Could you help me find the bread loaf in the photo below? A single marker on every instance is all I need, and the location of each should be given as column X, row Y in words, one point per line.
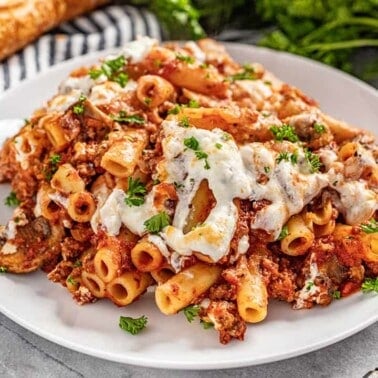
column 22, row 21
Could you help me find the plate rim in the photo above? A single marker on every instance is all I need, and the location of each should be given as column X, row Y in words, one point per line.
column 184, row 365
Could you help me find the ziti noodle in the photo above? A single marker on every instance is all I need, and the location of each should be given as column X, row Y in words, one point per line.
column 176, row 167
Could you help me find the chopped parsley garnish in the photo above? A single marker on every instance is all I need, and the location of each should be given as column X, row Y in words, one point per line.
column 12, row 200
column 371, row 227
column 3, row 269
column 71, row 281
column 174, row 110
column 185, row 58
column 178, row 185
column 313, row 160
column 77, row 264
column 206, row 325
column 319, row 128
column 135, row 192
column 226, row 137
column 310, row 284
column 218, row 146
column 336, row 294
column 55, row 159
column 284, row 232
column 193, row 144
column 157, row 222
column 193, row 104
column 247, row 74
column 123, row 117
column 147, row 100
column 191, row 312
column 112, row 69
column 133, row 325
column 286, row 156
column 184, row 122
column 79, row 107
column 285, row 132
column 266, row 169
column 370, row 285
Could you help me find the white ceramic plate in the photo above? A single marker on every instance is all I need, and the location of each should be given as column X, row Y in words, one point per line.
column 171, row 342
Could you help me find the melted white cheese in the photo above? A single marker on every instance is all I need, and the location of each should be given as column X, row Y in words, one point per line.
column 62, row 102
column 22, row 143
column 257, row 89
column 105, row 93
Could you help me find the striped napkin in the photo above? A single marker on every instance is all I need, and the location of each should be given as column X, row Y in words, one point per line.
column 104, row 28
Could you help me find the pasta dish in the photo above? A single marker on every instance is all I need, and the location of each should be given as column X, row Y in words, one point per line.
column 176, row 168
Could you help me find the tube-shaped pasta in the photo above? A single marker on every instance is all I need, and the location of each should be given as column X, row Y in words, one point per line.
column 321, row 216
column 347, row 150
column 122, row 157
column 81, row 206
column 54, row 131
column 67, row 180
column 165, row 195
column 129, row 286
column 371, row 250
column 299, row 238
column 251, row 293
column 94, row 284
column 184, row 287
column 163, row 274
column 106, row 263
column 146, row 256
column 324, row 229
column 45, row 205
column 153, row 90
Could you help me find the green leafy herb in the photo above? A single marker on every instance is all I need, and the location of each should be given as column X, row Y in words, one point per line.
column 284, row 232
column 286, row 156
column 226, row 137
column 319, row 128
column 12, row 200
column 3, row 269
column 174, row 110
column 313, row 160
column 178, row 185
column 184, row 122
column 191, row 312
column 193, row 144
column 310, row 284
column 266, row 169
column 78, row 264
column 135, row 192
column 206, row 325
column 185, row 58
column 193, row 104
column 123, row 117
column 285, row 132
column 336, row 294
column 248, row 73
column 133, row 325
column 52, row 167
column 218, row 146
column 157, row 222
column 147, row 100
column 371, row 227
column 79, row 107
column 55, row 159
column 370, row 285
column 72, row 281
column 113, row 70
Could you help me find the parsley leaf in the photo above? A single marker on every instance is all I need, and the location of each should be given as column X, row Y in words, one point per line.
column 72, row 281
column 336, row 294
column 219, row 146
column 284, row 232
column 266, row 169
column 313, row 160
column 157, row 222
column 193, row 104
column 184, row 122
column 369, row 285
column 206, row 325
column 112, row 69
column 122, row 117
column 371, row 227
column 310, row 284
column 247, row 74
column 133, row 325
column 55, row 159
column 185, row 58
column 286, row 156
column 191, row 312
column 79, row 107
column 3, row 269
column 319, row 128
column 174, row 110
column 285, row 132
column 135, row 192
column 193, row 144
column 12, row 200
column 147, row 100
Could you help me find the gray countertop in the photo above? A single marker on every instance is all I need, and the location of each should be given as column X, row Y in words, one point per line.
column 24, row 354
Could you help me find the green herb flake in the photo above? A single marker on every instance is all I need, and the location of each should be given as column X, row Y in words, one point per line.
column 55, row 159
column 310, row 284
column 133, row 325
column 193, row 104
column 218, row 146
column 206, row 325
column 174, row 110
column 12, row 200
column 135, row 192
column 147, row 100
column 285, row 132
column 77, row 264
column 123, row 117
column 248, row 73
column 284, row 232
column 226, row 137
column 3, row 269
column 370, row 285
column 266, row 169
column 71, row 281
column 78, row 109
column 371, row 227
column 336, row 294
column 191, row 312
column 313, row 160
column 286, row 156
column 191, row 143
column 185, row 58
column 184, row 122
column 157, row 222
column 113, row 70
column 319, row 128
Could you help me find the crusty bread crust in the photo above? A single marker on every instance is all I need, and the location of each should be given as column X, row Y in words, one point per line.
column 22, row 21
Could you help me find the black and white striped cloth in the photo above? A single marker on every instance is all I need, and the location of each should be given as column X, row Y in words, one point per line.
column 104, row 28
